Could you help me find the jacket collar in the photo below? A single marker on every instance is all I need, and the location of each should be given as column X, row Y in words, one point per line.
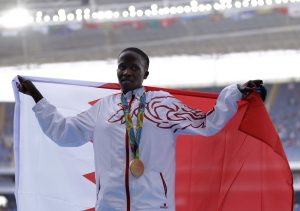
column 136, row 92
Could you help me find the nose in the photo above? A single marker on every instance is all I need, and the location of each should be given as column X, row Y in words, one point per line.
column 127, row 71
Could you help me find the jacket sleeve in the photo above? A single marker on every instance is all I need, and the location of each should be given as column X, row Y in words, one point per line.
column 195, row 122
column 66, row 131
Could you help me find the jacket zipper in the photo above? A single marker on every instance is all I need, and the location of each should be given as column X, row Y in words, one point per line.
column 164, row 184
column 127, row 164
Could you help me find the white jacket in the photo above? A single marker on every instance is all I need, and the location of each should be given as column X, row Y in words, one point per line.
column 165, row 118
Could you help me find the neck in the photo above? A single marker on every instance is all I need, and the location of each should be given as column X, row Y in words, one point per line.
column 129, row 90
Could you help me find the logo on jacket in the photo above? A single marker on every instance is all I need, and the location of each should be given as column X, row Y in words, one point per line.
column 164, row 206
column 166, row 112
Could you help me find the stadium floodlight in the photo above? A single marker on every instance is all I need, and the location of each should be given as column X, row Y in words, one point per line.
column 225, row 4
column 47, row 18
column 55, row 18
column 62, row 17
column 116, row 14
column 87, row 11
column 208, row 7
column 78, row 11
column 3, row 201
column 140, row 13
column 201, row 8
column 87, row 16
column 154, row 7
column 194, row 3
column 154, row 12
column 125, row 14
column 195, row 8
column 217, row 6
column 132, row 14
column 269, row 2
column 187, row 9
column 95, row 15
column 238, row 4
column 173, row 10
column 148, row 12
column 161, row 11
column 261, row 3
column 108, row 14
column 39, row 14
column 179, row 9
column 38, row 19
column 70, row 17
column 278, row 1
column 101, row 15
column 246, row 3
column 131, row 8
column 167, row 10
column 16, row 18
column 254, row 3
column 79, row 17
column 228, row 6
column 222, row 6
column 285, row 1
column 61, row 12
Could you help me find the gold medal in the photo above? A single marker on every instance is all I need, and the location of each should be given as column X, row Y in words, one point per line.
column 136, row 167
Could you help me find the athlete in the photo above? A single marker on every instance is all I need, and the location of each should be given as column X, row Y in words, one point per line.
column 134, row 134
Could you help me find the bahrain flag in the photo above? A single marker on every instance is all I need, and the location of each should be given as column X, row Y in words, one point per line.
column 241, row 168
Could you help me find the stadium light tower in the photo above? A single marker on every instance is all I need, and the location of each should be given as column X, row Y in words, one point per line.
column 16, row 18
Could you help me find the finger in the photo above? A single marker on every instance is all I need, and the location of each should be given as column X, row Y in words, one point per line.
column 24, row 82
column 250, row 84
column 247, row 92
column 21, row 79
column 249, row 89
column 258, row 82
column 245, row 95
column 20, row 87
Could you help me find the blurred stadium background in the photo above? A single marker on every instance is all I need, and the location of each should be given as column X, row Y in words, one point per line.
column 34, row 33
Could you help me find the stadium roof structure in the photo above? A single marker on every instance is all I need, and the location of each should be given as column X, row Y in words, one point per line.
column 69, row 30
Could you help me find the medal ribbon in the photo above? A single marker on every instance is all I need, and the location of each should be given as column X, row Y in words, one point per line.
column 134, row 137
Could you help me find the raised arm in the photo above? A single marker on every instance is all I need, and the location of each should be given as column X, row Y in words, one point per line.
column 195, row 122
column 65, row 131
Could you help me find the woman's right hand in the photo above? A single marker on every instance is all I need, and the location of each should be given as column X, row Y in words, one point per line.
column 28, row 88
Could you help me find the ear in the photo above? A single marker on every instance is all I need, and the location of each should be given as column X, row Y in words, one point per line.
column 146, row 74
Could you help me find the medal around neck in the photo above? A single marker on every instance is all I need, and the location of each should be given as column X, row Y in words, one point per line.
column 136, row 167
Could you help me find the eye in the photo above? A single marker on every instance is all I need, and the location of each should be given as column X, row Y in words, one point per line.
column 135, row 67
column 122, row 66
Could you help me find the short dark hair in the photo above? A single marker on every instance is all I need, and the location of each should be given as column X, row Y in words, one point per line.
column 139, row 52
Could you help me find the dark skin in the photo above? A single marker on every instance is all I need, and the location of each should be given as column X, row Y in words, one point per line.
column 251, row 86
column 131, row 73
column 27, row 87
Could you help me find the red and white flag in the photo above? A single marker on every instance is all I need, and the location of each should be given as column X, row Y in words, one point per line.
column 242, row 168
